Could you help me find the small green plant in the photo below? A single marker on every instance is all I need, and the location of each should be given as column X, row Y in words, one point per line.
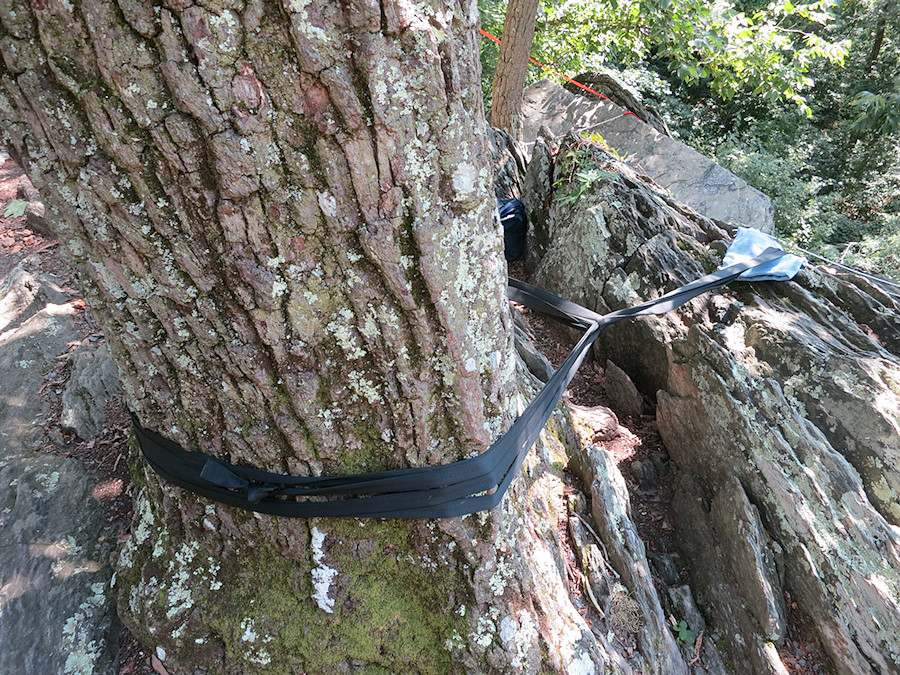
column 597, row 139
column 574, row 182
column 16, row 209
column 683, row 634
column 583, row 181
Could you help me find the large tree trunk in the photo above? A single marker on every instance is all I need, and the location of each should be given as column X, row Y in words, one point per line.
column 512, row 66
column 282, row 217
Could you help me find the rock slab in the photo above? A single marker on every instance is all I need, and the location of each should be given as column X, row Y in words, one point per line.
column 773, row 397
column 57, row 611
column 93, row 382
column 691, row 178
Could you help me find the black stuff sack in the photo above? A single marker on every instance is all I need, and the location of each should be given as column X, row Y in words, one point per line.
column 515, row 223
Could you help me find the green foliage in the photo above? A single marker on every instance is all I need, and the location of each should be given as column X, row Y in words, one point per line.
column 879, row 113
column 15, row 209
column 801, row 99
column 578, row 173
column 768, row 51
column 683, row 634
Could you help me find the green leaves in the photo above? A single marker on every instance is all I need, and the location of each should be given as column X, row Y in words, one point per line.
column 879, row 113
column 15, row 209
column 767, row 51
column 683, row 634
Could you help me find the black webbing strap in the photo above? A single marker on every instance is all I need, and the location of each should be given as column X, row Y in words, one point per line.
column 455, row 489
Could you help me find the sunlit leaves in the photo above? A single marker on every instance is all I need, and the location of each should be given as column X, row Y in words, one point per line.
column 767, row 51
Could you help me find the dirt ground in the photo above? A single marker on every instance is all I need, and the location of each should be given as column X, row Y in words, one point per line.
column 106, row 457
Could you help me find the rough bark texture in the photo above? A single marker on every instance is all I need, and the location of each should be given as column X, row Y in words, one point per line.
column 281, row 214
column 512, row 65
column 780, row 404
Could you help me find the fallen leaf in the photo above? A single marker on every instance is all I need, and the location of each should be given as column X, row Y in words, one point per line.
column 157, row 665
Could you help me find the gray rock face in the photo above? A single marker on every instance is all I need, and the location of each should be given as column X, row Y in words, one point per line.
column 93, row 382
column 607, row 84
column 57, row 612
column 690, row 177
column 54, row 578
column 537, row 193
column 772, row 396
column 752, row 562
column 508, row 159
column 35, row 326
column 610, row 507
column 622, row 393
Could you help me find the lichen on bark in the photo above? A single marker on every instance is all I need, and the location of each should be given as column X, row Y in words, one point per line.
column 281, row 215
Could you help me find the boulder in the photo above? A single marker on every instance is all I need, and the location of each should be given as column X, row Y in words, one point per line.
column 35, row 218
column 92, row 383
column 691, row 178
column 26, row 191
column 606, row 84
column 57, row 611
column 624, row 396
column 781, row 412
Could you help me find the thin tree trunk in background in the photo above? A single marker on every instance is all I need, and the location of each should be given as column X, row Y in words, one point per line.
column 281, row 215
column 512, row 65
column 878, row 40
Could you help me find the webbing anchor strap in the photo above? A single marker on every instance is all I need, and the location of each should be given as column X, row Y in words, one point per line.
column 444, row 491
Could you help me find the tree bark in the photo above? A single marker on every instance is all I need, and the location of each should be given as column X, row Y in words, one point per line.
column 512, row 65
column 878, row 38
column 281, row 215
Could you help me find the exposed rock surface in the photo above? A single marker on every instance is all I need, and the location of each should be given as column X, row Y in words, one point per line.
column 54, row 578
column 690, row 177
column 610, row 509
column 606, row 84
column 773, row 401
column 621, row 391
column 93, row 382
column 35, row 325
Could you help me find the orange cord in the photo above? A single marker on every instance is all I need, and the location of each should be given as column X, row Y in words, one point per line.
column 556, row 72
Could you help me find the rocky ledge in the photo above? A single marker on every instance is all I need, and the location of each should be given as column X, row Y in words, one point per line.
column 778, row 402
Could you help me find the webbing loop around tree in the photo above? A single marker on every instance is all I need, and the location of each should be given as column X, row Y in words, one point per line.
column 444, row 491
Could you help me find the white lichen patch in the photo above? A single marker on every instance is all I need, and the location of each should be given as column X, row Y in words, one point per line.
column 83, row 652
column 502, row 574
column 322, row 575
column 465, row 179
column 145, row 520
column 279, row 288
column 327, row 203
column 363, row 387
column 302, row 24
column 527, row 636
column 250, row 634
column 582, row 664
column 484, row 632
